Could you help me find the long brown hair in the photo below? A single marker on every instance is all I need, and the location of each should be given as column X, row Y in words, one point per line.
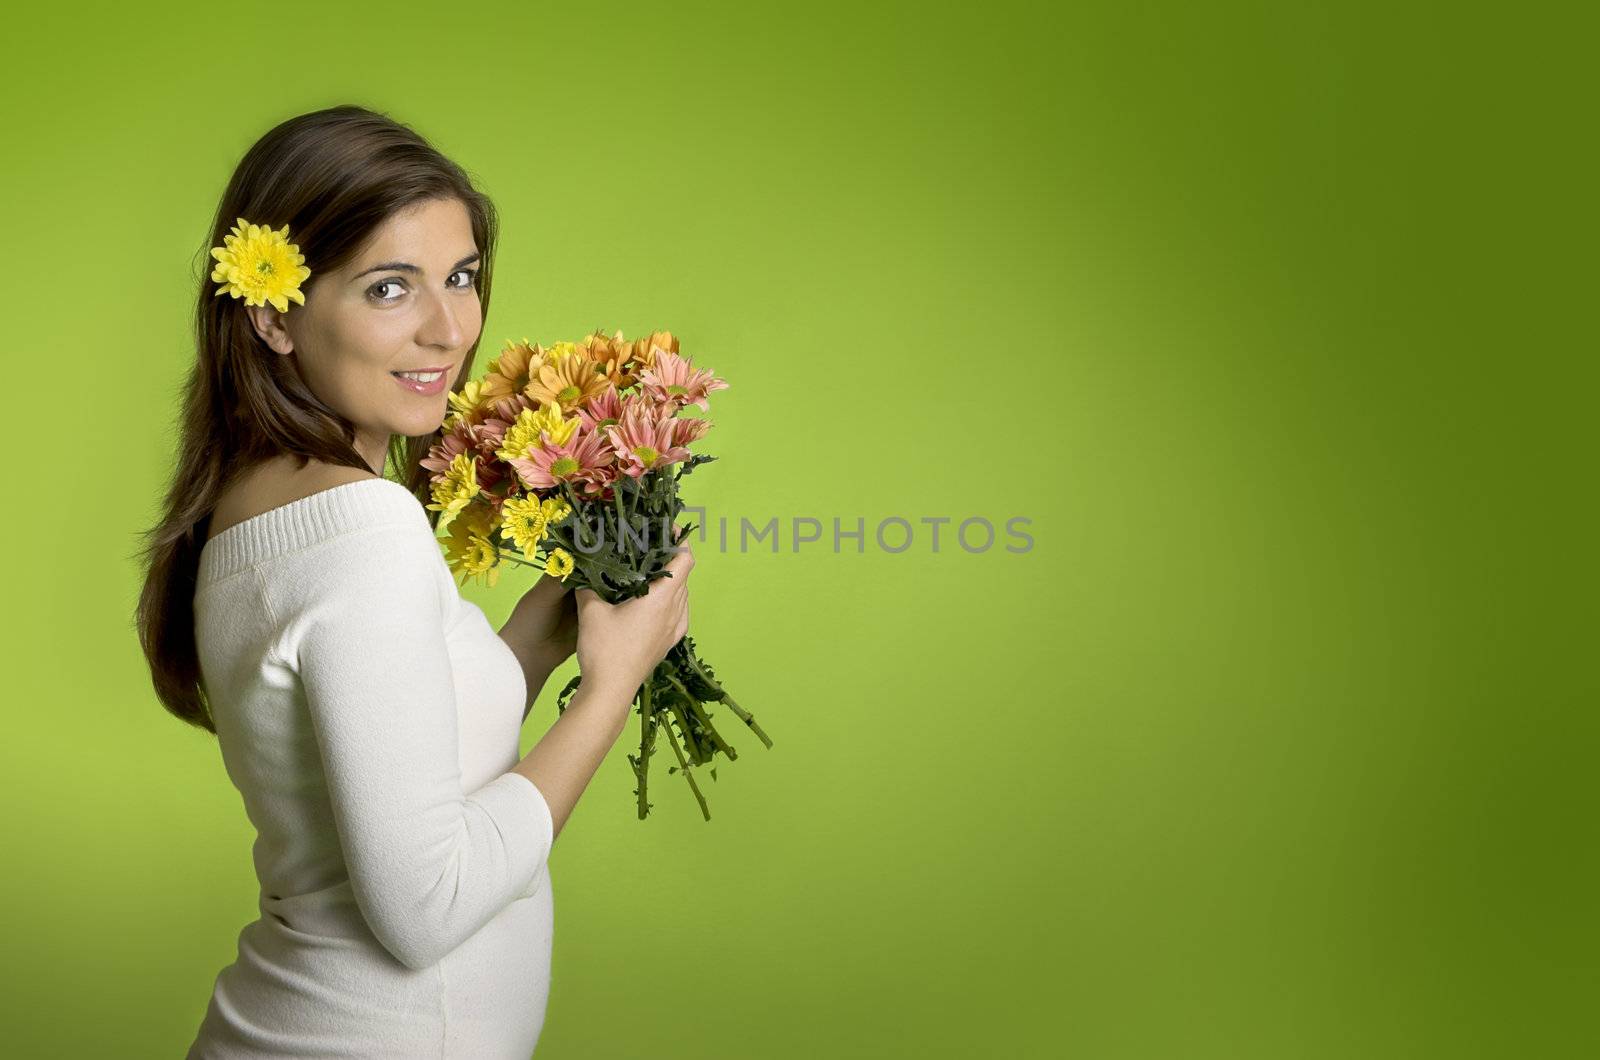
column 332, row 176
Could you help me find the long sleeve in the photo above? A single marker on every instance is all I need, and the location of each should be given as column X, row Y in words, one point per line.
column 429, row 864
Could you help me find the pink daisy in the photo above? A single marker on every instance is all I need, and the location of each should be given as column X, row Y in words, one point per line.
column 601, row 408
column 582, row 460
column 672, row 379
column 442, row 452
column 464, row 438
column 687, row 429
column 598, row 486
column 643, row 441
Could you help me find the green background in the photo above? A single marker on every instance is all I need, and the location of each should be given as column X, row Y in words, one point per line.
column 1278, row 742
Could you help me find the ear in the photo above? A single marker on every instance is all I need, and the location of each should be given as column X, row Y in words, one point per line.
column 268, row 323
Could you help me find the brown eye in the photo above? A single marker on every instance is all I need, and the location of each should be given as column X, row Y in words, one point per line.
column 375, row 288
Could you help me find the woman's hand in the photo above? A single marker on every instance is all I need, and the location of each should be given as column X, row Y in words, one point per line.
column 545, row 622
column 620, row 644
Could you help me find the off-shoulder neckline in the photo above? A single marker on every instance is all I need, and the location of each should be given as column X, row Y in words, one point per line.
column 305, row 521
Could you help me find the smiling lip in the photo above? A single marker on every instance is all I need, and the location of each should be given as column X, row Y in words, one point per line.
column 429, row 389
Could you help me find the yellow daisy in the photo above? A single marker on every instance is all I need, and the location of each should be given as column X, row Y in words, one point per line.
column 467, row 400
column 508, row 373
column 559, row 563
column 555, row 509
column 523, row 435
column 468, row 552
column 522, row 520
column 559, row 350
column 568, row 381
column 260, row 265
column 456, row 489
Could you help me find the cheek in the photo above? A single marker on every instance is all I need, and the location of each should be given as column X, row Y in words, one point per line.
column 471, row 319
column 370, row 340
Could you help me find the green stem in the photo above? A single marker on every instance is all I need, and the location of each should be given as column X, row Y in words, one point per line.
column 688, row 772
column 647, row 734
column 624, row 575
column 623, row 520
column 723, row 697
column 503, row 554
column 507, row 557
column 689, row 741
column 705, row 720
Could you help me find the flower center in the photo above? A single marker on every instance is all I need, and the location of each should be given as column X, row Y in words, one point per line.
column 568, row 395
column 646, row 455
column 675, row 390
column 264, row 267
column 563, row 466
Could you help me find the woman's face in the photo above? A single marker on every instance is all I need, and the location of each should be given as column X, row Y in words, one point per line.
column 405, row 303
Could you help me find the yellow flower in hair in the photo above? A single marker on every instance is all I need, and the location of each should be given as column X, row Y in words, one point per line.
column 260, row 265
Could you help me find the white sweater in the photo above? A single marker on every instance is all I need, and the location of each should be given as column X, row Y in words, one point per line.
column 369, row 715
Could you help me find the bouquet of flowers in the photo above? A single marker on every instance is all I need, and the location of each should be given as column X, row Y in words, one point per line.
column 567, row 459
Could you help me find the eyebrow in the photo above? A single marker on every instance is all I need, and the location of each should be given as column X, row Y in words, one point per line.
column 406, row 266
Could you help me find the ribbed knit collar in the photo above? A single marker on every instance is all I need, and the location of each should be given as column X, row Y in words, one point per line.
column 322, row 515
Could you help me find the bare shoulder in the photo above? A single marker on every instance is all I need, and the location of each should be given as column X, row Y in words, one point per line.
column 273, row 484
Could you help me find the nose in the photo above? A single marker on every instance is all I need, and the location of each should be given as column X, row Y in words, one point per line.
column 442, row 325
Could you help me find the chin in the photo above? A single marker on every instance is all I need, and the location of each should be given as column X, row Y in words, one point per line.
column 416, row 426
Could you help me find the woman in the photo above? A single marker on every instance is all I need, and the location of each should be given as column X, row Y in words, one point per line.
column 297, row 606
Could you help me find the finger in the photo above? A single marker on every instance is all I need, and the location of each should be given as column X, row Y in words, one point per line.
column 665, row 588
column 681, row 542
column 682, row 563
